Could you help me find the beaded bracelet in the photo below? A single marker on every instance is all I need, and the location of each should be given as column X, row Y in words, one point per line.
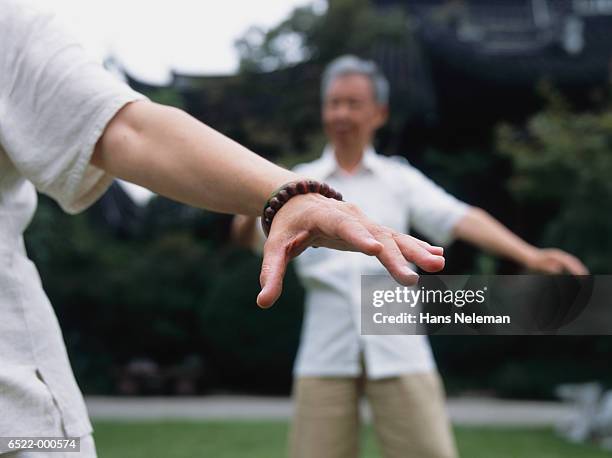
column 282, row 195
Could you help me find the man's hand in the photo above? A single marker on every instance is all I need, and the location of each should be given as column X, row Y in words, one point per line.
column 555, row 261
column 314, row 220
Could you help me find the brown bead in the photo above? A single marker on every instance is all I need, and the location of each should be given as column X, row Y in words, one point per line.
column 302, row 187
column 291, row 189
column 338, row 196
column 283, row 196
column 313, row 186
column 324, row 189
column 275, row 203
column 269, row 213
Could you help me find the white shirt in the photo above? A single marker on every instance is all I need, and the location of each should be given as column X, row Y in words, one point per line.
column 54, row 105
column 394, row 194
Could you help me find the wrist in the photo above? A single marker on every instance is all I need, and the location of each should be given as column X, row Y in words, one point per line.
column 287, row 192
column 529, row 257
column 265, row 192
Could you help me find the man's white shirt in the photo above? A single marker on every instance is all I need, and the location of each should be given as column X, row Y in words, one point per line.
column 394, row 194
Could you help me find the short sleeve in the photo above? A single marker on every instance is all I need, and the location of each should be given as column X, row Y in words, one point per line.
column 433, row 212
column 55, row 102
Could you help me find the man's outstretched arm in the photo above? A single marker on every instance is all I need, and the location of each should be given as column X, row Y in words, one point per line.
column 173, row 154
column 479, row 228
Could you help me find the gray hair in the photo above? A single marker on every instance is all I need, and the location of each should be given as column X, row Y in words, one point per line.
column 350, row 65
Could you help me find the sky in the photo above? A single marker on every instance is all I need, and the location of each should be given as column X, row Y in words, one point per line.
column 151, row 38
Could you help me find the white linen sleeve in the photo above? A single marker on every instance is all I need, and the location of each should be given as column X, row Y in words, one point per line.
column 55, row 102
column 433, row 211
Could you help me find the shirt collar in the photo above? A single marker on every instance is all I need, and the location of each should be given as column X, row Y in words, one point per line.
column 329, row 164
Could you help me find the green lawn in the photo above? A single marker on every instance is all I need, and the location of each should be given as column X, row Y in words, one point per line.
column 266, row 439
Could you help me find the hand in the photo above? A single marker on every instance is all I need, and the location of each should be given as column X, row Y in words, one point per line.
column 555, row 261
column 314, row 220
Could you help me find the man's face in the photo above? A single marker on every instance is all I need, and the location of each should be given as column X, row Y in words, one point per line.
column 351, row 114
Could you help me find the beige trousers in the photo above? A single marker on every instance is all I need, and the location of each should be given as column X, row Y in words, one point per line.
column 409, row 417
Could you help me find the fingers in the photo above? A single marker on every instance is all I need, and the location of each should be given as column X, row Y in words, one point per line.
column 437, row 250
column 555, row 261
column 273, row 269
column 396, row 249
column 426, row 257
column 555, row 267
column 572, row 264
column 577, row 268
column 394, row 261
column 358, row 237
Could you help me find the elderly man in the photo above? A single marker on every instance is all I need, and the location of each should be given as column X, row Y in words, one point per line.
column 334, row 362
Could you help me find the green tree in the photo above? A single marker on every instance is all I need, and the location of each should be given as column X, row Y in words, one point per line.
column 347, row 26
column 562, row 168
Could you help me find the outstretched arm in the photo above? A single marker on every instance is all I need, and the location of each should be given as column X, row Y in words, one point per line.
column 481, row 229
column 173, row 154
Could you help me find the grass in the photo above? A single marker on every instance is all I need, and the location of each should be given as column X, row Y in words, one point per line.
column 267, row 439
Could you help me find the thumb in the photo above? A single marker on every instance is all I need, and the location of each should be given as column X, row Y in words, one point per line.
column 273, row 269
